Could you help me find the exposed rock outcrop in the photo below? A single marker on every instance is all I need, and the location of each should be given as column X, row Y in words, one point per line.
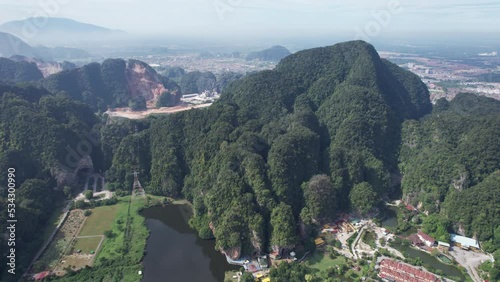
column 144, row 81
column 233, row 253
column 256, row 242
column 67, row 175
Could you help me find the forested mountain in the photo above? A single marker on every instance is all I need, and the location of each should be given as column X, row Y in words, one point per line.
column 114, row 83
column 198, row 82
column 21, row 71
column 36, row 129
column 227, row 78
column 450, row 161
column 282, row 151
column 11, row 45
column 249, row 162
column 273, row 54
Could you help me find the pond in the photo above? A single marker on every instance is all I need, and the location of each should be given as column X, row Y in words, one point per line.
column 390, row 221
column 429, row 260
column 174, row 251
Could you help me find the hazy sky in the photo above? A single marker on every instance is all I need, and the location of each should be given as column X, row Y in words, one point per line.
column 211, row 17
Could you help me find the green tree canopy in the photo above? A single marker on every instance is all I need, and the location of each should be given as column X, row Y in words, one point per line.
column 284, row 229
column 363, row 198
column 321, row 200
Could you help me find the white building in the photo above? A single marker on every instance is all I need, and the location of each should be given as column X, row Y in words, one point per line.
column 464, row 242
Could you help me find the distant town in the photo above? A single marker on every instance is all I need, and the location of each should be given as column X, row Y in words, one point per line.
column 446, row 77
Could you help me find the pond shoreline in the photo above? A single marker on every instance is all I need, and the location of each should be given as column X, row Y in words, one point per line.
column 175, row 250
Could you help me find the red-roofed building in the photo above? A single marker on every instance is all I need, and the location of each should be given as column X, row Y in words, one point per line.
column 400, row 272
column 41, row 275
column 410, row 208
column 415, row 240
column 428, row 240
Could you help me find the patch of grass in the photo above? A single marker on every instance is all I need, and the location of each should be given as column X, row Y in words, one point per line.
column 351, row 240
column 100, row 220
column 87, row 244
column 369, row 238
column 228, row 276
column 322, row 261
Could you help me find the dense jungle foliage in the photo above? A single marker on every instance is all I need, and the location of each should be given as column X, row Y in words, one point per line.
column 12, row 71
column 38, row 131
column 245, row 162
column 450, row 163
column 330, row 129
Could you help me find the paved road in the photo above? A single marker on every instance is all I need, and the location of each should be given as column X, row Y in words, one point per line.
column 355, row 243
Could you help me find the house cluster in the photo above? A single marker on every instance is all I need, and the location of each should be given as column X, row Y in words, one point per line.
column 391, row 270
column 258, row 267
column 426, row 242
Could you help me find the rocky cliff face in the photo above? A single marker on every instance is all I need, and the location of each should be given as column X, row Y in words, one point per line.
column 46, row 68
column 65, row 175
column 256, row 241
column 144, row 81
column 233, row 253
column 112, row 84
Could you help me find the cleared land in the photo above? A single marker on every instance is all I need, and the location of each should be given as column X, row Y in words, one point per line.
column 99, row 221
column 74, row 262
column 60, row 245
column 127, row 113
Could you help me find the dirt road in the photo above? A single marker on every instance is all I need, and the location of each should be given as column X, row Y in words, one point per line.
column 470, row 260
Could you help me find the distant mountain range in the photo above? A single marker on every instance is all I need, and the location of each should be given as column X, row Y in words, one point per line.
column 60, row 53
column 274, row 54
column 11, row 45
column 58, row 30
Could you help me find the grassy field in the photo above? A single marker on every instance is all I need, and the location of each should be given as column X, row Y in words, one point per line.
column 322, row 261
column 86, row 244
column 100, row 220
column 120, row 255
column 137, row 235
